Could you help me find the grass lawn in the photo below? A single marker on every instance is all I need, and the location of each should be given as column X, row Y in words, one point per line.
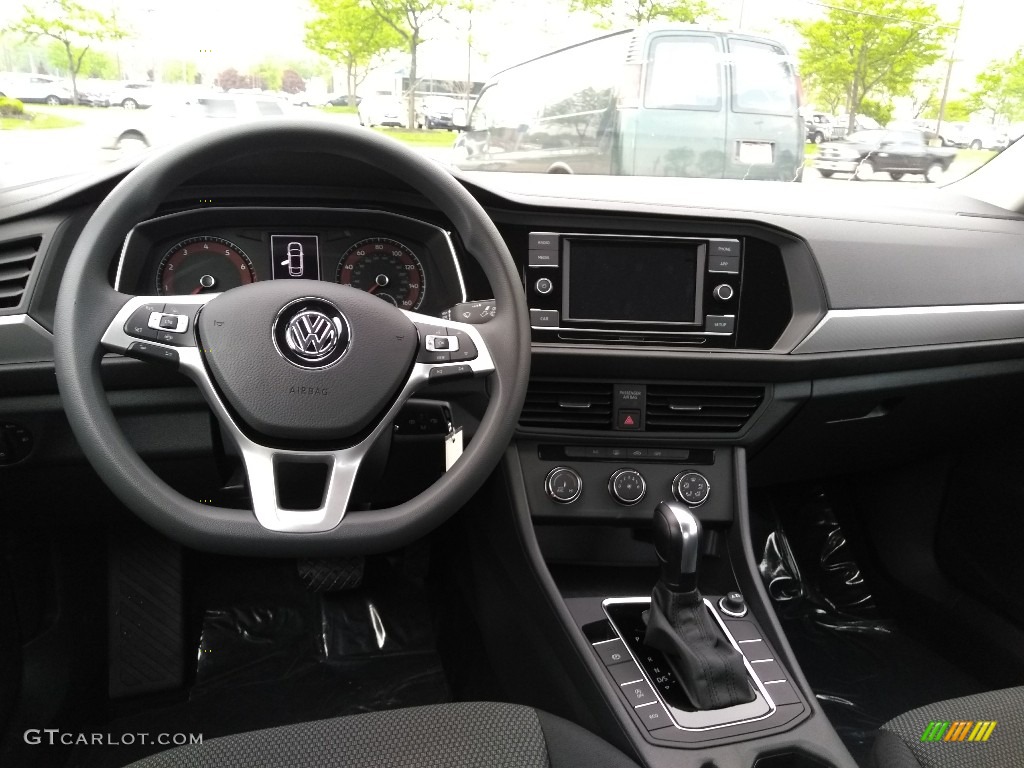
column 438, row 138
column 339, row 110
column 40, row 121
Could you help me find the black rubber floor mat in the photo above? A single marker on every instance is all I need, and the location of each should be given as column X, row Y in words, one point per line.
column 146, row 629
column 294, row 657
column 864, row 667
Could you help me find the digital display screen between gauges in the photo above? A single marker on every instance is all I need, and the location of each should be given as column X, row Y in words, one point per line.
column 295, row 257
column 203, row 265
column 385, row 268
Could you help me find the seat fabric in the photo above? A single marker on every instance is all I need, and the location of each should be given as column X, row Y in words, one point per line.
column 899, row 743
column 461, row 735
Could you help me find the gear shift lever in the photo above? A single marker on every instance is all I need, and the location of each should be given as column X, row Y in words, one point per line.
column 708, row 667
column 677, row 544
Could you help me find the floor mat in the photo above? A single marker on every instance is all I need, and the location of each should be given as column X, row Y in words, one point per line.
column 863, row 667
column 292, row 658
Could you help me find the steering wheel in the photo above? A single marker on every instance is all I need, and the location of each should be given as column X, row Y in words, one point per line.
column 296, row 371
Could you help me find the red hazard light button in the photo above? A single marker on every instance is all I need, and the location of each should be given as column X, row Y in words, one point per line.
column 628, row 419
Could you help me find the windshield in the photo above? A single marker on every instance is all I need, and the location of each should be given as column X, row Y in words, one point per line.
column 721, row 89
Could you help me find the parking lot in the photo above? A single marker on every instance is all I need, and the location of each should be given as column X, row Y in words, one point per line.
column 29, row 155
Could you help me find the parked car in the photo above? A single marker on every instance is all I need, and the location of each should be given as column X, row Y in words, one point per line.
column 340, row 100
column 435, row 112
column 976, row 136
column 820, row 128
column 35, row 89
column 95, row 92
column 383, row 110
column 864, row 153
column 133, row 95
column 171, row 121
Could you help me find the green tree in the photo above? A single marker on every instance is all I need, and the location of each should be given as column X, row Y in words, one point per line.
column 73, row 26
column 614, row 13
column 870, row 49
column 352, row 35
column 957, row 111
column 409, row 18
column 95, row 63
column 1000, row 89
column 179, row 71
column 881, row 111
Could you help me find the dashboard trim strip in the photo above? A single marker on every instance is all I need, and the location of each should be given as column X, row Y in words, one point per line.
column 24, row 340
column 849, row 330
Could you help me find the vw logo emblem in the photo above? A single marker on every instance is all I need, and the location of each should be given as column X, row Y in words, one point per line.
column 311, row 333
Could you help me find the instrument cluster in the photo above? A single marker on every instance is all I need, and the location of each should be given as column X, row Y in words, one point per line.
column 403, row 261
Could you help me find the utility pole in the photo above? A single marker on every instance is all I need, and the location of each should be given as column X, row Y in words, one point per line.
column 949, row 70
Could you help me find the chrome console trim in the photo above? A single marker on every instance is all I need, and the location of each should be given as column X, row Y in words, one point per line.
column 848, row 330
column 760, row 708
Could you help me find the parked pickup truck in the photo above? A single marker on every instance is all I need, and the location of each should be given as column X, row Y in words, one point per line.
column 865, row 153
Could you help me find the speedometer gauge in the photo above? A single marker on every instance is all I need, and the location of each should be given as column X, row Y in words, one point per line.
column 203, row 265
column 385, row 268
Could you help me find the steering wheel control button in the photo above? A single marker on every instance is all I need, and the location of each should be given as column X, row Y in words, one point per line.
column 564, row 486
column 612, row 652
column 442, row 344
column 152, row 353
column 627, row 486
column 691, row 488
column 723, row 292
column 733, row 605
column 450, row 372
column 464, row 348
column 544, row 286
column 627, row 419
column 724, row 256
column 721, row 324
column 141, row 323
column 311, row 333
column 430, row 352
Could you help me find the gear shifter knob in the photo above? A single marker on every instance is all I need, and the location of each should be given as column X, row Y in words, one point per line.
column 677, row 544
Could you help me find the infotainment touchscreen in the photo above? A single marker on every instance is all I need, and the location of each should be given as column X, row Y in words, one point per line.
column 632, row 281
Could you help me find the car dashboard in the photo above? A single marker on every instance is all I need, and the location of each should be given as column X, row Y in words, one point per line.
column 772, row 334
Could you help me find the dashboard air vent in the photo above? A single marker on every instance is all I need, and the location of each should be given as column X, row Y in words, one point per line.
column 707, row 408
column 16, row 259
column 568, row 405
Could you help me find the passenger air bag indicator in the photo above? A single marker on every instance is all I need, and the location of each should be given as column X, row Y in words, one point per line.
column 295, row 257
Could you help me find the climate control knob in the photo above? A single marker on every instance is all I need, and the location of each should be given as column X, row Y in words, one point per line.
column 563, row 485
column 691, row 488
column 627, row 486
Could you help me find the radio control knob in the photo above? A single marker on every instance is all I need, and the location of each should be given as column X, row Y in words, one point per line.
column 723, row 292
column 691, row 488
column 544, row 286
column 563, row 485
column 627, row 486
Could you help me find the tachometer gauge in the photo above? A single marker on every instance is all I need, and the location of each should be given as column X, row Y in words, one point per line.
column 203, row 265
column 385, row 268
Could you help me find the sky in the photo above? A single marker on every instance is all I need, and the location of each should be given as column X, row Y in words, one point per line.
column 224, row 33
